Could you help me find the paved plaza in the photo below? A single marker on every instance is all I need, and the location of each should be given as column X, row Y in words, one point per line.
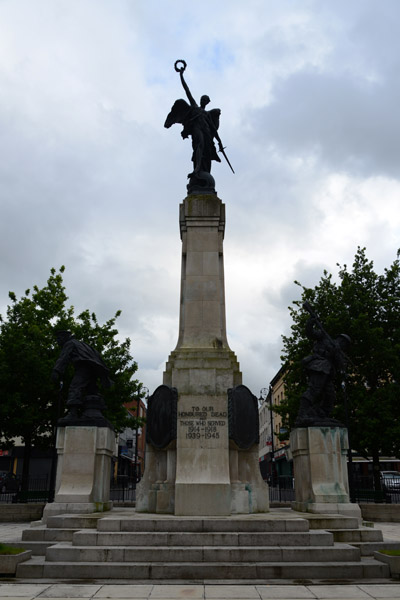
column 28, row 591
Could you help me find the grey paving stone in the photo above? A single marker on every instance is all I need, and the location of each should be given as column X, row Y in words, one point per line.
column 339, row 591
column 69, row 591
column 16, row 590
column 237, row 592
column 124, row 591
column 384, row 590
column 177, row 591
column 284, row 592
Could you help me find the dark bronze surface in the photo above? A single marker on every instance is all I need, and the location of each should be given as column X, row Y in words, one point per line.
column 327, row 359
column 161, row 418
column 243, row 417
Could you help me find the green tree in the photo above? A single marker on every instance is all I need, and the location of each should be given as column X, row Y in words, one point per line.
column 366, row 306
column 29, row 401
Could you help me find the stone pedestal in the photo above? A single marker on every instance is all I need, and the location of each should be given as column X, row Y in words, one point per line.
column 320, row 470
column 203, row 473
column 83, row 470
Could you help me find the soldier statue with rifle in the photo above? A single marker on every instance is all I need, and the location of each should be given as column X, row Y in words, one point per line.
column 202, row 125
column 328, row 357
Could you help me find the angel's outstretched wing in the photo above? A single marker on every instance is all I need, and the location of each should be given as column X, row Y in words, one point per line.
column 178, row 113
column 214, row 116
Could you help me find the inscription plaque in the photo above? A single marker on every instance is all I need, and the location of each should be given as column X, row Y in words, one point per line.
column 202, row 423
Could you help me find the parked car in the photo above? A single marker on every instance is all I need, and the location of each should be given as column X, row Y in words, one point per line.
column 10, row 483
column 390, row 480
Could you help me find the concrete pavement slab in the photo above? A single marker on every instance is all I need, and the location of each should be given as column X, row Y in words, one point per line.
column 236, row 592
column 69, row 591
column 124, row 591
column 338, row 591
column 382, row 590
column 12, row 532
column 16, row 590
column 286, row 592
column 176, row 592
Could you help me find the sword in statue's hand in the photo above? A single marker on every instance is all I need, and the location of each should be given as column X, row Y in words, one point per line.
column 222, row 150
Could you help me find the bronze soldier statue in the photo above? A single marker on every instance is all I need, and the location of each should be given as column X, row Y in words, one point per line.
column 328, row 358
column 83, row 393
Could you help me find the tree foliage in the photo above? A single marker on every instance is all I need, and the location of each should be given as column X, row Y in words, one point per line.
column 366, row 306
column 29, row 402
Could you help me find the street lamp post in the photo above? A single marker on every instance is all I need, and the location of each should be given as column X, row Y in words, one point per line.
column 271, row 416
column 266, row 394
column 146, row 394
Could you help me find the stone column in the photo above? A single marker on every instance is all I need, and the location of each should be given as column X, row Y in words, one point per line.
column 205, row 473
column 83, row 470
column 320, row 470
column 202, row 367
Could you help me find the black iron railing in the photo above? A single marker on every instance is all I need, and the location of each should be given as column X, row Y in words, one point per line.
column 123, row 489
column 35, row 490
column 281, row 489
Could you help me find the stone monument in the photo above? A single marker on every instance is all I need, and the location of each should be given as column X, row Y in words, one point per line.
column 85, row 438
column 319, row 443
column 202, row 445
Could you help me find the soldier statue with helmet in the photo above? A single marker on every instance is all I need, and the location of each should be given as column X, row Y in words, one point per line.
column 327, row 359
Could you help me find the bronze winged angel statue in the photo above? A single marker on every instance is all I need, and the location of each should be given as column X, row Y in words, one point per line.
column 202, row 125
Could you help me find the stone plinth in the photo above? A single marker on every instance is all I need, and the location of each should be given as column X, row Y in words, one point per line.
column 202, row 472
column 320, row 470
column 83, row 470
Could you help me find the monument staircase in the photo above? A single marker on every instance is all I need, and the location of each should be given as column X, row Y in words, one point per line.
column 282, row 545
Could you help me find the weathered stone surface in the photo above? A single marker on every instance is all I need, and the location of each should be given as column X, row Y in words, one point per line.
column 392, row 561
column 320, row 469
column 9, row 562
column 83, row 471
column 204, row 472
column 381, row 512
column 125, row 545
column 21, row 512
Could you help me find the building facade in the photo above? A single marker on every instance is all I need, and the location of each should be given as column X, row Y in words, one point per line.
column 132, row 446
column 274, row 454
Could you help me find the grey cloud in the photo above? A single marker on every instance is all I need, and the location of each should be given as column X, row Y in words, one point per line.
column 349, row 125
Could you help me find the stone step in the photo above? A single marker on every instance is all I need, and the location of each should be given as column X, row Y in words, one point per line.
column 36, row 534
column 202, row 525
column 94, row 538
column 357, row 535
column 368, row 548
column 69, row 553
column 37, row 548
column 74, row 521
column 365, row 569
column 330, row 522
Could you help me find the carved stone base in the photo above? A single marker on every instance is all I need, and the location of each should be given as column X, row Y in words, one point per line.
column 83, row 470
column 77, row 508
column 347, row 509
column 203, row 473
column 320, row 470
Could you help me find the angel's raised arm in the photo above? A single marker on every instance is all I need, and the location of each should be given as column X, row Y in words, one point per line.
column 180, row 70
column 188, row 92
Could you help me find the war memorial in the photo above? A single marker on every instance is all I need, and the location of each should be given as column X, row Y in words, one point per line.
column 202, row 510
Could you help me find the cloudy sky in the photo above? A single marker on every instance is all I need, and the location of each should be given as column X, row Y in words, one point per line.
column 90, row 179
